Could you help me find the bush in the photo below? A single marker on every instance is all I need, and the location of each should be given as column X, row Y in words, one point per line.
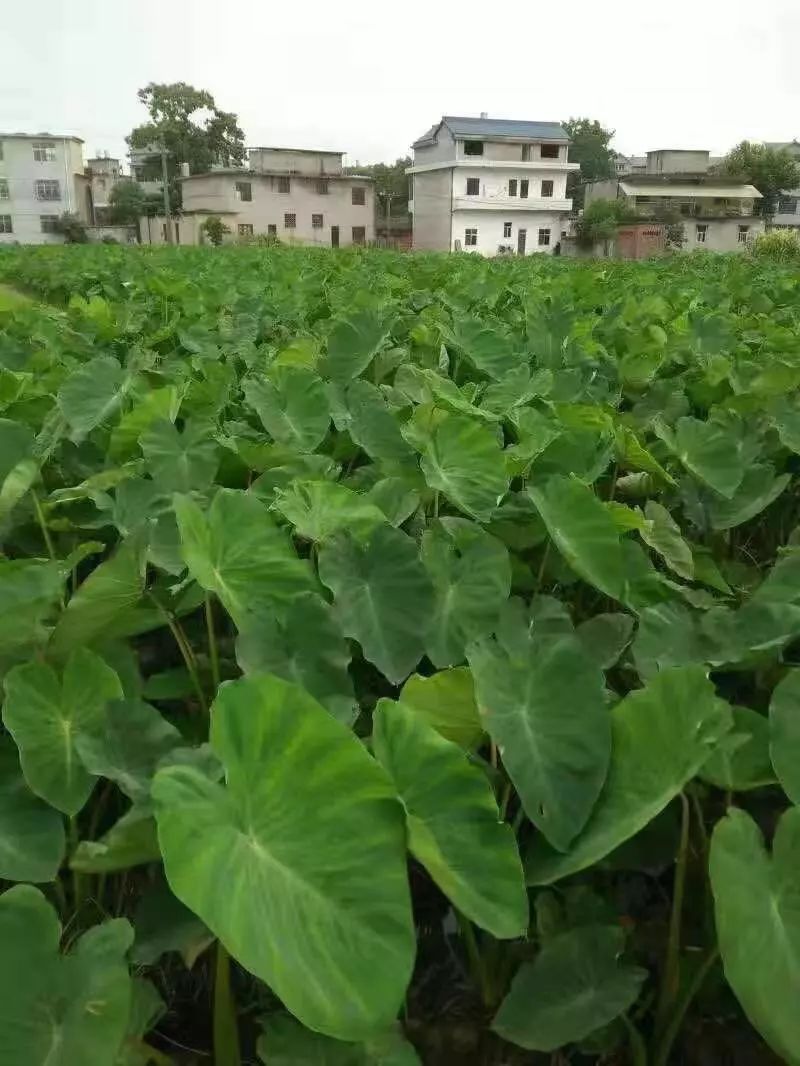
column 777, row 246
column 600, row 220
column 215, row 229
column 72, row 229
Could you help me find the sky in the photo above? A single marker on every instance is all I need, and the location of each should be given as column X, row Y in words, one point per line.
column 368, row 78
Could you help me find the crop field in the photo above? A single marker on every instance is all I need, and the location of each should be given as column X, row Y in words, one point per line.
column 400, row 659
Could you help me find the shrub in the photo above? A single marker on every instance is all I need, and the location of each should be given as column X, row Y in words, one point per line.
column 777, row 246
column 215, row 229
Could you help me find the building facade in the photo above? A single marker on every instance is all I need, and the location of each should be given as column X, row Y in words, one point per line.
column 787, row 214
column 41, row 178
column 103, row 173
column 492, row 186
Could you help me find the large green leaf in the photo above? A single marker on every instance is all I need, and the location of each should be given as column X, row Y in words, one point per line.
column 382, row 596
column 575, row 985
column 318, row 509
column 305, row 647
column 31, row 833
column 29, row 591
column 464, row 460
column 308, row 841
column 662, row 533
column 153, row 406
column 131, row 841
column 583, row 531
column 757, row 909
column 93, row 393
column 292, row 405
column 60, row 1010
column 372, row 425
column 236, row 550
column 446, row 700
column 471, row 576
column 352, row 345
column 708, row 450
column 757, row 491
column 454, row 828
column 47, row 715
column 285, row 1042
column 784, row 733
column 489, row 350
column 556, row 758
column 741, row 762
column 180, row 461
column 662, row 735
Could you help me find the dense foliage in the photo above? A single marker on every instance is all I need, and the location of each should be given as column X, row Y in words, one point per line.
column 399, row 657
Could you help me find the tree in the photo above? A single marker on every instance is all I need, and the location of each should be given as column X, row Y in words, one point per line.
column 771, row 170
column 391, row 184
column 72, row 229
column 128, row 202
column 215, row 229
column 600, row 220
column 589, row 147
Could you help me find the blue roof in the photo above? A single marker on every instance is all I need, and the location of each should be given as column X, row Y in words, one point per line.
column 461, row 126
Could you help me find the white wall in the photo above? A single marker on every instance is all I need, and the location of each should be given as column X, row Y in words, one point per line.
column 490, row 230
column 442, row 151
column 431, row 214
column 494, row 183
column 21, row 171
column 293, row 160
column 722, row 234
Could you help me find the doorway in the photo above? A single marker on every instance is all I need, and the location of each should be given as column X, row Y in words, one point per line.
column 334, row 236
column 522, row 237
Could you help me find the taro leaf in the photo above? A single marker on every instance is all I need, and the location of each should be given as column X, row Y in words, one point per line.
column 471, row 576
column 557, row 760
column 372, row 426
column 16, row 444
column 741, row 760
column 396, row 497
column 31, row 833
column 605, row 637
column 285, row 1042
column 292, row 405
column 60, row 1010
column 163, row 924
column 180, row 461
column 583, row 531
column 535, row 431
column 29, row 591
column 446, row 701
column 662, row 533
column 382, row 596
column 464, row 460
column 154, row 405
column 131, row 841
column 93, row 393
column 352, row 345
column 318, row 908
column 236, row 550
column 707, row 450
column 757, row 910
column 305, row 647
column 784, row 733
column 147, row 1009
column 318, row 509
column 515, row 390
column 667, row 636
column 46, row 715
column 662, row 736
column 19, row 480
column 489, row 351
column 575, row 985
column 454, row 828
column 759, row 488
column 105, row 597
column 133, row 740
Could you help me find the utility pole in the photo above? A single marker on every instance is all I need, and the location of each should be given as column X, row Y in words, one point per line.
column 167, row 219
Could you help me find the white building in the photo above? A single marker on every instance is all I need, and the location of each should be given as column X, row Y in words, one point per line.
column 41, row 178
column 490, row 186
column 787, row 214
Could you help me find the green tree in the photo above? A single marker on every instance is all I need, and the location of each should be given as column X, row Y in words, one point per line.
column 771, row 170
column 590, row 148
column 128, row 202
column 600, row 220
column 215, row 229
column 391, row 184
column 72, row 229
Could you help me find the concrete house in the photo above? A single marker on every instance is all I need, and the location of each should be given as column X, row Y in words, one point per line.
column 787, row 214
column 491, row 186
column 41, row 177
column 293, row 194
column 103, row 172
column 719, row 214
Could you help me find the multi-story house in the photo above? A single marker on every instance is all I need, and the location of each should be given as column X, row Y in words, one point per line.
column 717, row 213
column 41, row 178
column 103, row 172
column 293, row 194
column 490, row 186
column 787, row 214
column 145, row 163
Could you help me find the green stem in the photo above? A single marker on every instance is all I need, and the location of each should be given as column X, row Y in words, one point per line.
column 226, row 1031
column 435, row 503
column 474, row 957
column 504, row 800
column 670, row 981
column 212, row 642
column 152, row 1054
column 664, row 1049
column 542, row 565
column 43, row 525
column 185, row 649
column 77, row 881
column 638, row 1049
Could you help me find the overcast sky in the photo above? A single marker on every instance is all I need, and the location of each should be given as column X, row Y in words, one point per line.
column 369, row 77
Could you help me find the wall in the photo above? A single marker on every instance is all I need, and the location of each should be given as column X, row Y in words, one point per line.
column 722, row 234
column 441, row 152
column 600, row 190
column 121, row 234
column 494, row 185
column 677, row 161
column 21, row 170
column 490, row 230
column 432, row 204
column 186, row 229
column 295, row 161
column 508, row 150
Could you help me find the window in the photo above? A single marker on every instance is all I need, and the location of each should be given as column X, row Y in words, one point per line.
column 544, row 237
column 525, row 155
column 700, row 232
column 512, row 187
column 523, row 188
column 470, row 238
column 549, row 151
column 289, row 221
column 245, row 229
column 473, row 186
column 44, row 151
column 101, row 183
column 284, row 185
column 4, row 193
column 787, row 205
column 473, row 147
column 5, row 224
column 272, row 229
column 47, row 190
column 359, row 196
column 316, row 221
column 547, row 187
column 243, row 191
column 506, row 229
column 359, row 235
column 322, row 186
column 48, row 223
column 743, row 232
